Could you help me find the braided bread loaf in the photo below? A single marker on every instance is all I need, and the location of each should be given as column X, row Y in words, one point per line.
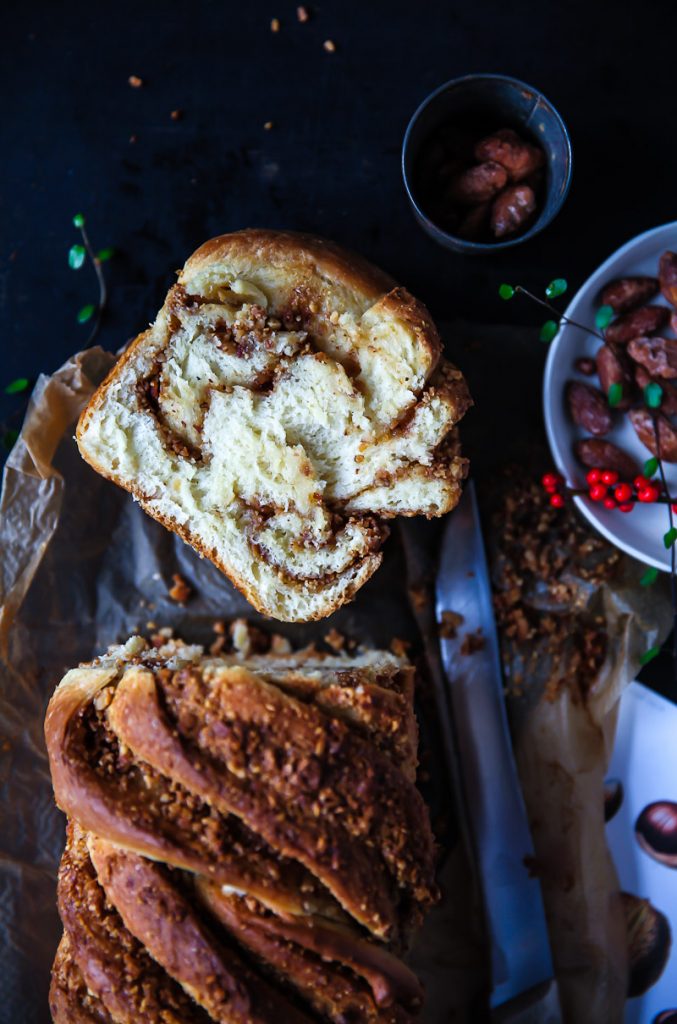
column 245, row 839
column 286, row 402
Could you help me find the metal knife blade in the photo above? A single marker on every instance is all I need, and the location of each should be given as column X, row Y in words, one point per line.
column 494, row 808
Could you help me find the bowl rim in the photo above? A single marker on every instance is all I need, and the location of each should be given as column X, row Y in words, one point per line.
column 461, row 243
column 548, row 397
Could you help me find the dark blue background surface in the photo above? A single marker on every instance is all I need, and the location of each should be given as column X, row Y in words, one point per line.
column 331, row 162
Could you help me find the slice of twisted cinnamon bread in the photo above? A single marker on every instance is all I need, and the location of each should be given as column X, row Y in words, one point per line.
column 286, row 402
column 240, row 840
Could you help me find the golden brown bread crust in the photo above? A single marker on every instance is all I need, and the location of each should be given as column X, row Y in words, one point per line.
column 336, row 993
column 388, row 978
column 332, row 774
column 130, row 804
column 345, row 802
column 115, row 966
column 271, row 247
column 70, row 1002
column 168, row 746
column 166, row 924
column 384, row 716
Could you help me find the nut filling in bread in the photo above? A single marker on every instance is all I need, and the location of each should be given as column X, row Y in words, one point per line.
column 288, row 400
column 243, row 845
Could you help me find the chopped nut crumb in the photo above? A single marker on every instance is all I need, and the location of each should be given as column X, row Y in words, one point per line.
column 418, row 597
column 335, row 640
column 135, row 81
column 176, row 115
column 275, row 25
column 449, row 625
column 279, row 644
column 399, row 647
column 218, row 645
column 268, row 125
column 219, row 627
column 329, row 45
column 180, row 592
column 302, row 14
column 545, row 560
column 472, row 642
column 151, row 625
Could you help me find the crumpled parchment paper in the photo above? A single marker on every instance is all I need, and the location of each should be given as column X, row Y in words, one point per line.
column 82, row 567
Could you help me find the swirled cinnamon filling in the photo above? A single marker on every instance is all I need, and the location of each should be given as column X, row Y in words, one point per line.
column 272, row 386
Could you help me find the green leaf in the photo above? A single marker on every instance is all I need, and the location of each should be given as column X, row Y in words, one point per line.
column 79, row 220
column 506, row 291
column 548, row 330
column 670, row 537
column 76, row 256
column 105, row 254
column 653, row 395
column 9, row 438
column 649, row 655
column 603, row 317
column 615, row 394
column 86, row 314
column 17, row 386
column 649, row 577
column 556, row 288
column 650, row 467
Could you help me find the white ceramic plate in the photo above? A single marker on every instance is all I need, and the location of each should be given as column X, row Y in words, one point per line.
column 641, row 531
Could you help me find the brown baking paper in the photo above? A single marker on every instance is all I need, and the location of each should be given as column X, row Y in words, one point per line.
column 82, row 567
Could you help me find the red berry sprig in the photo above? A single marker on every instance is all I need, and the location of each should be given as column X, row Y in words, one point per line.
column 552, row 483
column 605, row 487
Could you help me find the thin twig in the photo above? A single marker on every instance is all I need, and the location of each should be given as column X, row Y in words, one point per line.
column 103, row 292
column 560, row 316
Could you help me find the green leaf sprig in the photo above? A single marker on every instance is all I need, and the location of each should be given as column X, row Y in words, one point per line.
column 557, row 287
column 615, row 395
column 603, row 317
column 649, row 655
column 548, row 331
column 77, row 256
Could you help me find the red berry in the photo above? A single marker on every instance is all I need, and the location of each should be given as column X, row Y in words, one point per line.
column 674, row 508
column 627, row 507
column 593, row 477
column 609, row 476
column 640, row 481
column 550, row 481
column 598, row 492
column 623, row 492
column 610, row 503
column 557, row 501
column 647, row 494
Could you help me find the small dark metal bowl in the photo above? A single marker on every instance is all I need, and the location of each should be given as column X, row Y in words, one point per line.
column 505, row 102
